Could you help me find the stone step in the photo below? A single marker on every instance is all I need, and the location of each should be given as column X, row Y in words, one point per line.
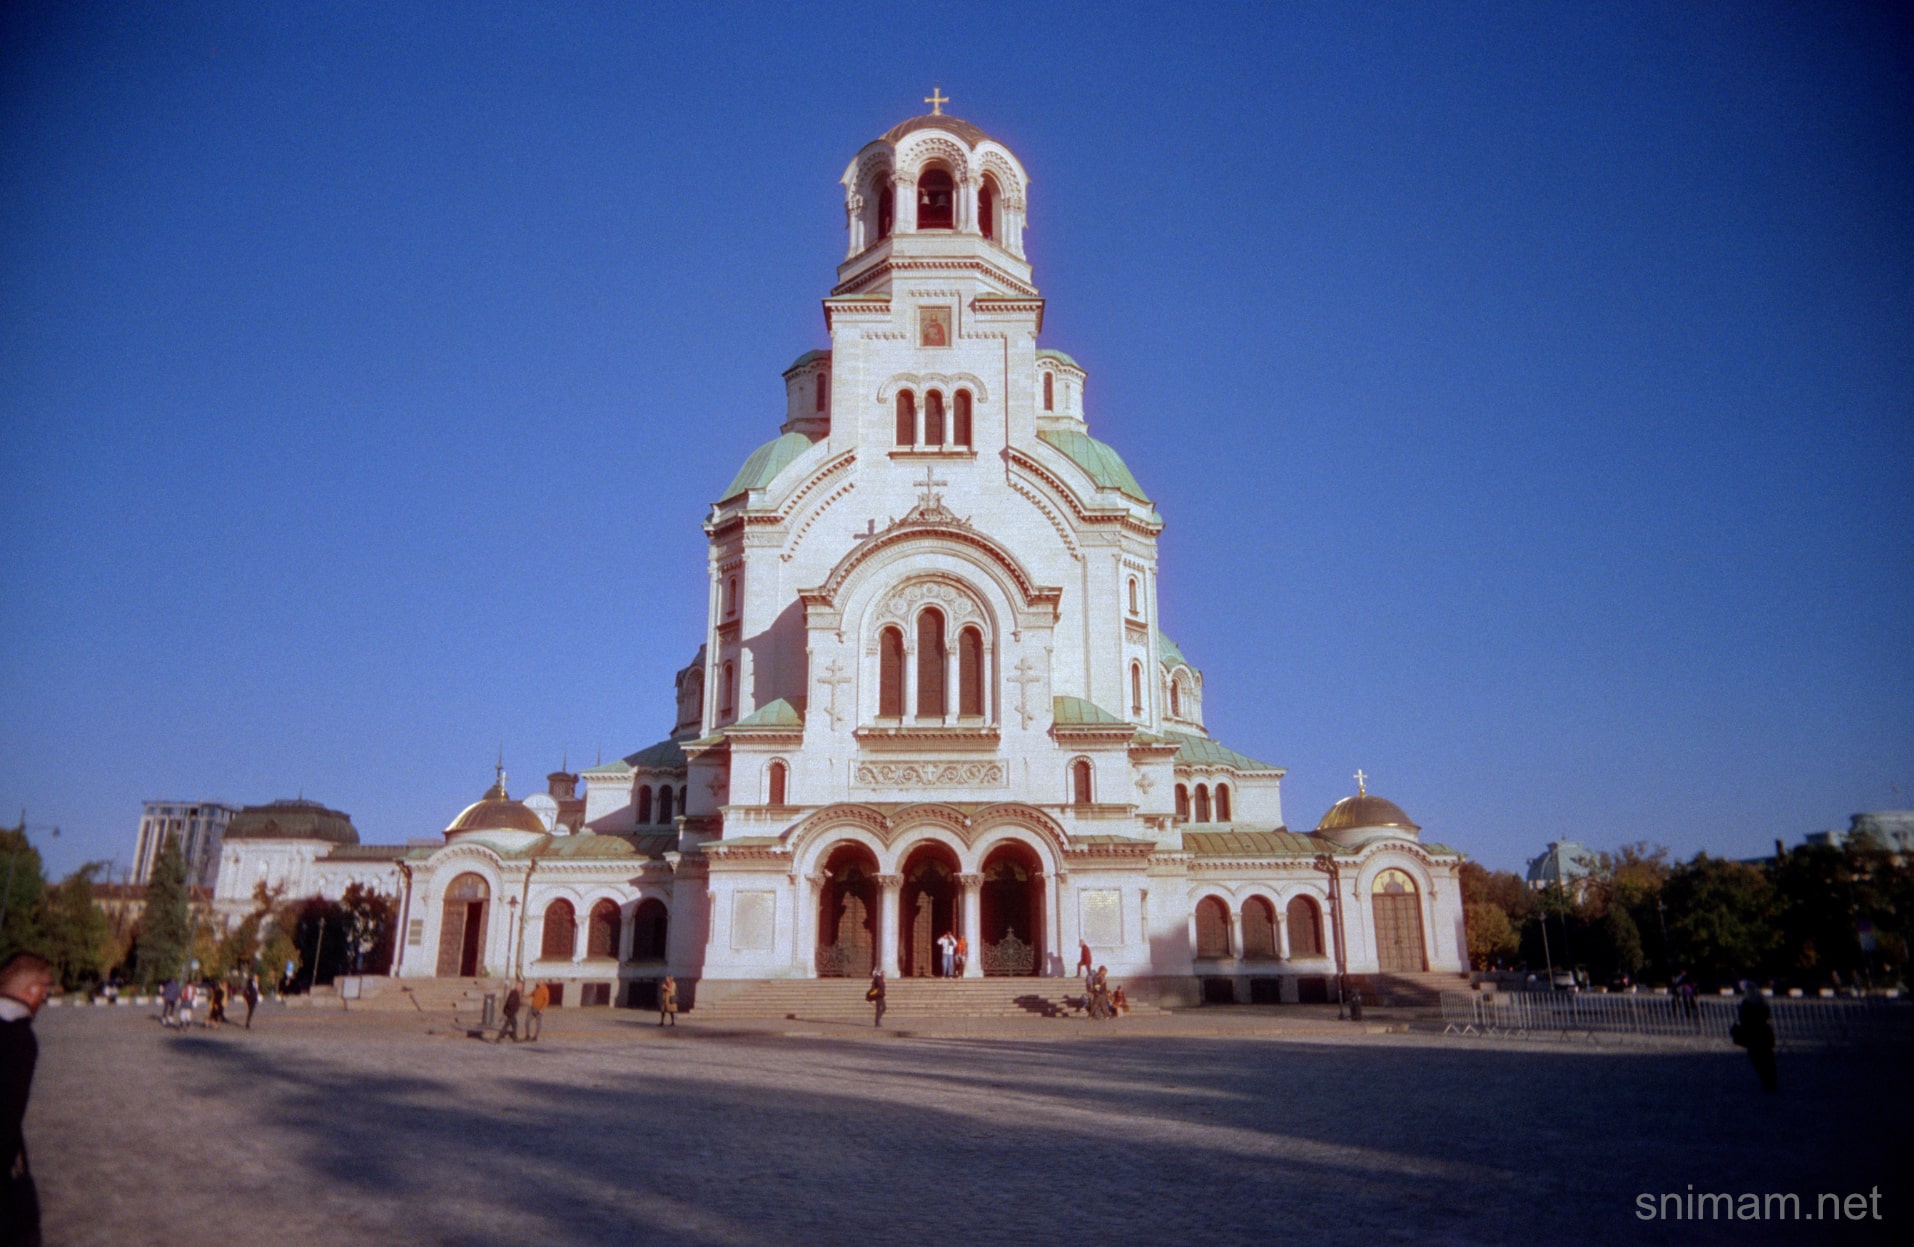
column 843, row 999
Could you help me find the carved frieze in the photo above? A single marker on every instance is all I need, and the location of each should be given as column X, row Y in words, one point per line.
column 930, row 774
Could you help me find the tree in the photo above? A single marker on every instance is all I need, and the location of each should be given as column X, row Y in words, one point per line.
column 74, row 935
column 166, row 924
column 1720, row 918
column 22, row 888
column 1492, row 937
column 369, row 917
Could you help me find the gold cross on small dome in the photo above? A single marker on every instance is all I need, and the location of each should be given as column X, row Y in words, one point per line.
column 1362, row 789
column 936, row 99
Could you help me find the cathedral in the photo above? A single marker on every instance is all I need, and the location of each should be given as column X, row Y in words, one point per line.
column 933, row 696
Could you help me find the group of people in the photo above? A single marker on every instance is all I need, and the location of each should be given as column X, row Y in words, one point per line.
column 534, row 1007
column 179, row 1000
column 1100, row 1001
column 954, row 951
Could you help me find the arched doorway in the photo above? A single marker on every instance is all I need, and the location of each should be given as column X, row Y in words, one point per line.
column 650, row 924
column 847, row 913
column 929, row 906
column 1305, row 928
column 1212, row 929
column 1012, row 911
column 1398, row 912
column 462, row 927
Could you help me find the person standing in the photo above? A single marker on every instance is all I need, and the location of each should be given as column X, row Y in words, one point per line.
column 252, row 998
column 947, row 950
column 216, row 1005
column 535, row 1018
column 1754, row 1030
column 1084, row 962
column 187, row 992
column 26, row 980
column 509, row 1026
column 963, row 954
column 876, row 996
column 169, row 1002
column 668, row 1002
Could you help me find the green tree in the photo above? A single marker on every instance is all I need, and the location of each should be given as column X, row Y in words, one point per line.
column 166, row 924
column 22, row 889
column 74, row 935
column 1492, row 937
column 370, row 917
column 1720, row 918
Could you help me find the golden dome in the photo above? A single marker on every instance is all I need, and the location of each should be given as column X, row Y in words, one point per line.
column 1364, row 810
column 496, row 811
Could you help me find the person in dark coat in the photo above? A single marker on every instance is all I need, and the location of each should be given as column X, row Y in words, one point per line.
column 252, row 998
column 26, row 981
column 509, row 1026
column 876, row 996
column 1754, row 1030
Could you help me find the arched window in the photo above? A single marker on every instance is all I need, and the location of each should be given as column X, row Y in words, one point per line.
column 823, row 388
column 1182, row 801
column 970, row 673
column 1049, row 391
column 561, row 931
column 731, row 596
column 1136, row 688
column 644, row 804
column 1080, row 781
column 1176, row 700
column 650, row 924
column 601, row 935
column 890, row 674
column 886, row 210
column 1202, row 803
column 777, row 783
column 960, row 420
column 987, row 207
column 1222, row 803
column 729, row 705
column 1212, row 929
column 906, row 418
column 1259, row 929
column 1305, row 928
column 931, row 657
column 664, row 804
column 934, row 418
column 936, row 199
column 1133, row 605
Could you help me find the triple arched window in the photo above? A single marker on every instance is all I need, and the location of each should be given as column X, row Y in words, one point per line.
column 929, row 694
column 941, row 426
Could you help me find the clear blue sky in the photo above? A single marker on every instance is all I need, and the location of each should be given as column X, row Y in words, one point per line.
column 1529, row 389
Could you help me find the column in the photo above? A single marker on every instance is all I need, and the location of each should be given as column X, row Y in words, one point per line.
column 953, row 695
column 1282, row 934
column 910, row 672
column 904, row 204
column 887, row 932
column 989, row 705
column 1235, row 933
column 973, row 886
column 810, row 891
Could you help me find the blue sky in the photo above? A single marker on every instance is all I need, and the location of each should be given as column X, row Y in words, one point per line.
column 1529, row 389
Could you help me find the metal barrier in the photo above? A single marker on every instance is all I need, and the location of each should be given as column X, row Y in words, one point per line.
column 1706, row 1019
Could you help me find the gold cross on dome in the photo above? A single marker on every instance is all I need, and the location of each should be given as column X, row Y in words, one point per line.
column 936, row 99
column 1361, row 791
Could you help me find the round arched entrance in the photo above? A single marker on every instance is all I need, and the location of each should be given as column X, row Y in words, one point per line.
column 929, row 908
column 462, row 926
column 1012, row 910
column 1398, row 913
column 847, row 913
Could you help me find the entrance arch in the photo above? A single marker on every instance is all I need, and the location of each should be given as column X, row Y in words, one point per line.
column 462, row 927
column 847, row 914
column 1012, row 911
column 1398, row 913
column 930, row 906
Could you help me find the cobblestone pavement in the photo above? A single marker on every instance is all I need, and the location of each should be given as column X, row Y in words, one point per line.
column 320, row 1128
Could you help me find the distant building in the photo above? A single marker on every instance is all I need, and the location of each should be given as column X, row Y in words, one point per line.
column 1893, row 828
column 1565, row 862
column 200, row 828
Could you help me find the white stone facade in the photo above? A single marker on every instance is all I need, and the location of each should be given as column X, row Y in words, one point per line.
column 933, row 693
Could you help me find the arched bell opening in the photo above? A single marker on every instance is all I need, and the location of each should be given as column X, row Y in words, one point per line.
column 462, row 927
column 1012, row 911
column 936, row 199
column 929, row 907
column 847, row 914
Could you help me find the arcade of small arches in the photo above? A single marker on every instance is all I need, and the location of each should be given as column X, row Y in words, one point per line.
column 927, row 428
column 918, row 669
column 872, row 906
column 660, row 805
column 1253, row 932
column 936, row 196
column 1203, row 804
column 634, row 932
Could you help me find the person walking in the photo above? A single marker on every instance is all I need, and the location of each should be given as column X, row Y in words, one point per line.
column 509, row 1026
column 1754, row 1030
column 26, row 980
column 187, row 997
column 169, row 1002
column 668, row 1002
column 876, row 996
column 947, row 950
column 252, row 998
column 1085, row 964
column 535, row 1014
column 216, row 1006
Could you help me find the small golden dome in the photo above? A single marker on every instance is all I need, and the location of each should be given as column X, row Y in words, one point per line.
column 1364, row 810
column 496, row 811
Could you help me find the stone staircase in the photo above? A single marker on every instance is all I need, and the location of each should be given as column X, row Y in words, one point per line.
column 1410, row 991
column 842, row 1000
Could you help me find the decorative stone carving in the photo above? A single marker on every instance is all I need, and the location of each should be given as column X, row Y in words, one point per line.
column 903, row 603
column 929, row 774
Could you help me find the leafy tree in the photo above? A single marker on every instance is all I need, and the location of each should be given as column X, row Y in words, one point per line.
column 1720, row 918
column 370, row 917
column 166, row 925
column 1492, row 937
column 22, row 888
column 74, row 935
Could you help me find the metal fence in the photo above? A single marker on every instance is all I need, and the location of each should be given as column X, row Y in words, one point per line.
column 1797, row 1023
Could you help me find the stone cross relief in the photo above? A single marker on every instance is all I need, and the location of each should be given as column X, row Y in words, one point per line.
column 830, row 678
column 1026, row 675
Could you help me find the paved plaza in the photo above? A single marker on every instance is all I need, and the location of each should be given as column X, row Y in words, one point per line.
column 1216, row 1126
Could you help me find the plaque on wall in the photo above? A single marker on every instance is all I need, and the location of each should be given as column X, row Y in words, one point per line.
column 753, row 914
column 1101, row 914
